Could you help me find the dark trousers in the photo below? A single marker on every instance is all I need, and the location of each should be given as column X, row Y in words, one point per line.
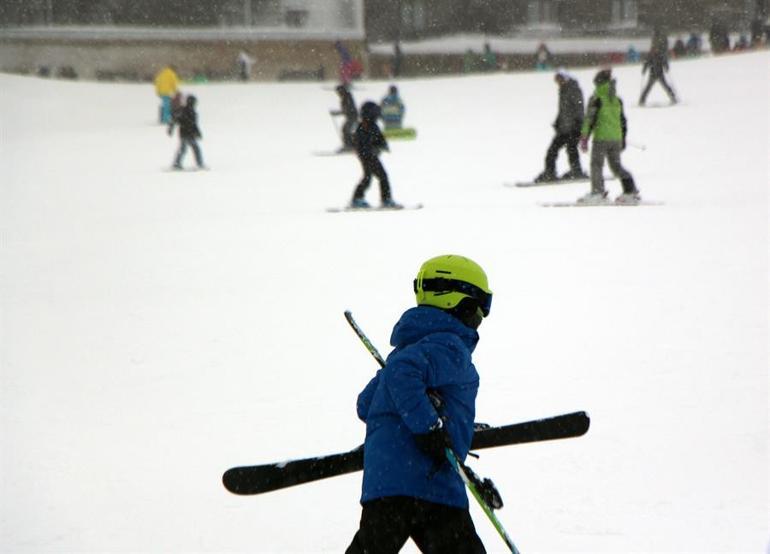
column 570, row 140
column 348, row 128
column 387, row 523
column 184, row 142
column 372, row 166
column 609, row 150
column 663, row 82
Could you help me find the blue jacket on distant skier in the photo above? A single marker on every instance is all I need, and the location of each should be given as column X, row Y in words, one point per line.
column 432, row 355
column 393, row 109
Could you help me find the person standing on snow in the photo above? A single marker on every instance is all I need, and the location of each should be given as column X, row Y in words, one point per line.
column 421, row 402
column 606, row 121
column 244, row 65
column 166, row 85
column 349, row 110
column 368, row 142
column 657, row 63
column 189, row 133
column 568, row 123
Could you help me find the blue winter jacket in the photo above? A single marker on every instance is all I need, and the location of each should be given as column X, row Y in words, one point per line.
column 432, row 353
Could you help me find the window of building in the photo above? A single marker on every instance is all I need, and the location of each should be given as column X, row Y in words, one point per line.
column 541, row 11
column 413, row 15
column 624, row 12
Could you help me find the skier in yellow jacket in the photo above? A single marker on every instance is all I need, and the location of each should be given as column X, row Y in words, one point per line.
column 166, row 84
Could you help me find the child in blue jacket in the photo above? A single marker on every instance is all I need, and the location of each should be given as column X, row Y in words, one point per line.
column 393, row 109
column 419, row 403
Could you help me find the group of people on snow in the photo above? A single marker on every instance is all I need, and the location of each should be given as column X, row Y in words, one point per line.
column 361, row 134
column 176, row 110
column 603, row 119
column 421, row 405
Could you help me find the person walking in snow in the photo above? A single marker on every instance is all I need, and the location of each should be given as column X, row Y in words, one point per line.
column 189, row 133
column 369, row 141
column 568, row 123
column 166, row 85
column 657, row 63
column 349, row 110
column 421, row 402
column 606, row 121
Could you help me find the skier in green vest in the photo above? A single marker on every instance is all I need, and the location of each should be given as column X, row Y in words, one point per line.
column 606, row 121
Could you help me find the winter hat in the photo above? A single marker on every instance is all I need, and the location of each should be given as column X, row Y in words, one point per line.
column 563, row 73
column 603, row 76
column 370, row 111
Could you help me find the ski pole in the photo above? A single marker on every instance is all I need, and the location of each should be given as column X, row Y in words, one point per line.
column 458, row 466
column 334, row 122
column 369, row 346
column 636, row 145
column 461, row 469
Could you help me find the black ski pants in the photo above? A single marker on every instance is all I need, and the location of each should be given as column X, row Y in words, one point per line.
column 372, row 166
column 570, row 140
column 663, row 82
column 348, row 128
column 184, row 142
column 387, row 523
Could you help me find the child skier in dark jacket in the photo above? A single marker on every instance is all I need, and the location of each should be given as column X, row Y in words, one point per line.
column 368, row 140
column 189, row 133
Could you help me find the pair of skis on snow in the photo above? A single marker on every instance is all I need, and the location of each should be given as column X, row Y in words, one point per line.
column 575, row 204
column 258, row 479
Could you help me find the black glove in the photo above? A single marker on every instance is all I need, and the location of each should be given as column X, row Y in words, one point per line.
column 435, row 442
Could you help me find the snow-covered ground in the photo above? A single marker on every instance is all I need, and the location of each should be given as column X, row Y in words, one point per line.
column 159, row 327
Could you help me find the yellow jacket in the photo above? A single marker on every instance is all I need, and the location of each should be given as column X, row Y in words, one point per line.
column 166, row 82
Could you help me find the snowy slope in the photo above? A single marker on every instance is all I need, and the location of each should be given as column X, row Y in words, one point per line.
column 157, row 328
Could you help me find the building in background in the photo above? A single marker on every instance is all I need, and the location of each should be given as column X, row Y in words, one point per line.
column 132, row 39
column 294, row 39
column 409, row 19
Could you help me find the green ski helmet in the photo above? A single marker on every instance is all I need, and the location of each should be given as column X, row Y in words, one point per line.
column 445, row 281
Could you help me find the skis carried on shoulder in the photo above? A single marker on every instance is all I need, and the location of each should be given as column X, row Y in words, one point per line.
column 485, row 492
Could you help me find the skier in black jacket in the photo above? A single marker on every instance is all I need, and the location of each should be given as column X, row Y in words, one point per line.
column 349, row 110
column 187, row 119
column 657, row 63
column 567, row 126
column 368, row 140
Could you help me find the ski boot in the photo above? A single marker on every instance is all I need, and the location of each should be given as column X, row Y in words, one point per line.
column 629, row 198
column 546, row 176
column 391, row 205
column 594, row 198
column 575, row 174
column 359, row 203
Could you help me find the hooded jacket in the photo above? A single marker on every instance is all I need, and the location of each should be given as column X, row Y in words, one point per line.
column 166, row 82
column 605, row 117
column 570, row 117
column 432, row 353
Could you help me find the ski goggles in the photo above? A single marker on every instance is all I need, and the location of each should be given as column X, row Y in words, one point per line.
column 440, row 284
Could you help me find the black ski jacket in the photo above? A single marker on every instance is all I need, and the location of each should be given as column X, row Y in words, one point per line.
column 187, row 119
column 570, row 117
column 656, row 62
column 347, row 107
column 368, row 140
